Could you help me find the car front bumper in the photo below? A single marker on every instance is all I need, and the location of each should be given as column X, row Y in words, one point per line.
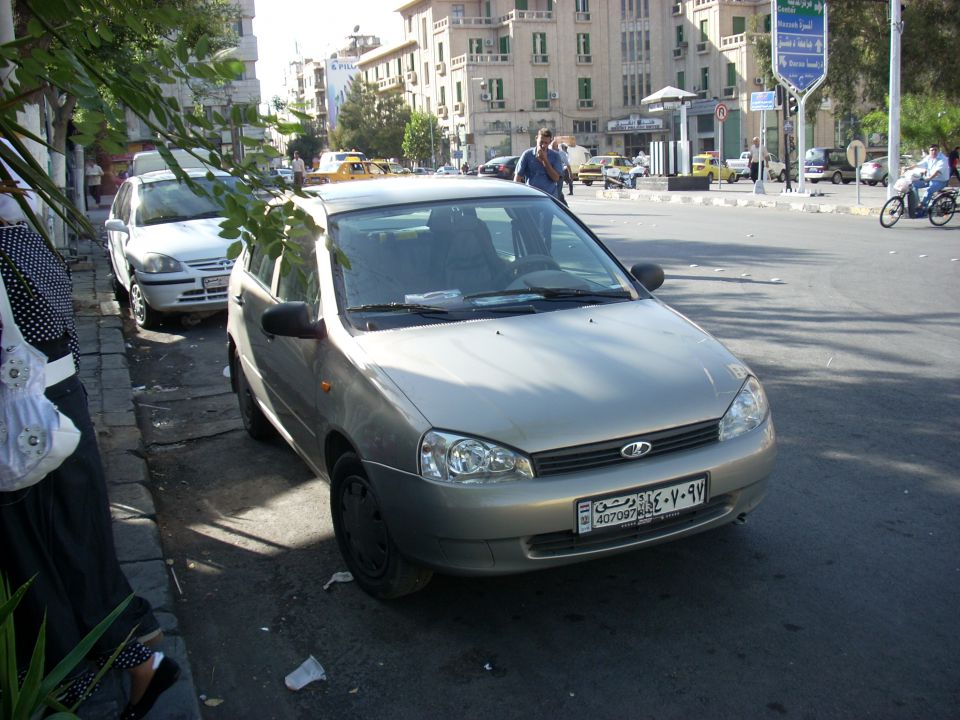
column 185, row 291
column 528, row 525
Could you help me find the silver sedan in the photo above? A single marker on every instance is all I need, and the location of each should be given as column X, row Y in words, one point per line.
column 486, row 388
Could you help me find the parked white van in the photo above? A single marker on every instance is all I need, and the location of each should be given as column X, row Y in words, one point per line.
column 577, row 155
column 152, row 160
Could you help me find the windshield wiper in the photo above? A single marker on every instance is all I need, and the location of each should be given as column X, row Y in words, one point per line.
column 396, row 306
column 502, row 293
column 207, row 214
column 166, row 219
column 578, row 293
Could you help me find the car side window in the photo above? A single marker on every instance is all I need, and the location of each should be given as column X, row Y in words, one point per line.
column 261, row 265
column 123, row 204
column 300, row 283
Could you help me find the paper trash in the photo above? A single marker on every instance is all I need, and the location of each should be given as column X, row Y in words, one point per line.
column 338, row 577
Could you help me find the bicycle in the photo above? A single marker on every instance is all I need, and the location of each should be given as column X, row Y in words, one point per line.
column 939, row 210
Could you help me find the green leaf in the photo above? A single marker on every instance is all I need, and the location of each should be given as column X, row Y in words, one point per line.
column 202, row 48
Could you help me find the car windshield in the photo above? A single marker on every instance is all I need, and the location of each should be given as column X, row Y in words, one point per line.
column 167, row 201
column 816, row 155
column 447, row 262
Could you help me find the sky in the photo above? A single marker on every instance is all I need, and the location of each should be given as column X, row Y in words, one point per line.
column 317, row 28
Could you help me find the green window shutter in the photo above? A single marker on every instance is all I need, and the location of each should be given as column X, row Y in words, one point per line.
column 681, row 80
column 505, row 45
column 540, row 88
column 521, row 4
column 679, row 34
column 584, row 89
column 496, row 86
column 459, row 92
column 731, row 74
column 739, row 24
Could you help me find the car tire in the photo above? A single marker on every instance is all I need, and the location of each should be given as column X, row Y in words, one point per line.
column 884, row 180
column 143, row 315
column 710, row 178
column 782, row 177
column 118, row 289
column 588, row 183
column 364, row 538
column 814, row 181
column 871, row 183
column 731, row 178
column 252, row 417
column 836, row 178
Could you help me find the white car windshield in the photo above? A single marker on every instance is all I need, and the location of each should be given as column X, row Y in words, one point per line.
column 444, row 262
column 168, row 201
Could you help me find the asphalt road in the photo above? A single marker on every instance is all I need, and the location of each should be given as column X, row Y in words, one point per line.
column 838, row 599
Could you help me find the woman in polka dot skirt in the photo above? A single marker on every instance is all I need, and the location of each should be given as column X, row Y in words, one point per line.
column 59, row 530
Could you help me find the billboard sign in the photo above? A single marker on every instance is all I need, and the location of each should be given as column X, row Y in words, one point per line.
column 800, row 42
column 340, row 74
column 766, row 100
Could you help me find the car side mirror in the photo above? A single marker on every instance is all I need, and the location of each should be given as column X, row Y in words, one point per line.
column 116, row 225
column 650, row 275
column 292, row 319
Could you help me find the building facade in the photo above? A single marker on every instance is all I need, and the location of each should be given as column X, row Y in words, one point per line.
column 494, row 71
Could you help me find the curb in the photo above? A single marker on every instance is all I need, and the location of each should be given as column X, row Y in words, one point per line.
column 777, row 202
column 106, row 376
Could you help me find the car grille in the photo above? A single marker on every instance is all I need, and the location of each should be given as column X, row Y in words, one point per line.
column 606, row 453
column 218, row 265
column 568, row 542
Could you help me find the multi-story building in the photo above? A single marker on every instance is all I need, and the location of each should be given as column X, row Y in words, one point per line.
column 221, row 99
column 494, row 71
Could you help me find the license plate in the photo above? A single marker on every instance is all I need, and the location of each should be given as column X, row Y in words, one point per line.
column 640, row 507
column 216, row 282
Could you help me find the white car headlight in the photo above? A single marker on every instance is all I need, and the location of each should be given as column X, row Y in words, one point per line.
column 746, row 412
column 467, row 460
column 157, row 263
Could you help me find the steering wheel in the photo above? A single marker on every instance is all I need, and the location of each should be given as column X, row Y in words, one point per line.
column 531, row 263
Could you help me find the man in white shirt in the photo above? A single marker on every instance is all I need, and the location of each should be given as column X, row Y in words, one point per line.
column 298, row 167
column 938, row 172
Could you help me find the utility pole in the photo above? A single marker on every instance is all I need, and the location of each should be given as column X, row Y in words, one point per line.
column 893, row 127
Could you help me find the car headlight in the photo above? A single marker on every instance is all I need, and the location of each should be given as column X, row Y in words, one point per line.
column 746, row 412
column 157, row 263
column 449, row 457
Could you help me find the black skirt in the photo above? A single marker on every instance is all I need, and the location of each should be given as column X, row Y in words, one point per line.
column 60, row 531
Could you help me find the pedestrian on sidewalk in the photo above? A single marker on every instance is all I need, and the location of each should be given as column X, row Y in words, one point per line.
column 93, row 174
column 59, row 531
column 298, row 167
column 756, row 152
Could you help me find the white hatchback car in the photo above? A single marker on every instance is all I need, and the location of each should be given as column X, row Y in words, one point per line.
column 165, row 246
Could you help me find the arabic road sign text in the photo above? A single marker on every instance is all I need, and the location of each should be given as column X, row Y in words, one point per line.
column 766, row 100
column 800, row 42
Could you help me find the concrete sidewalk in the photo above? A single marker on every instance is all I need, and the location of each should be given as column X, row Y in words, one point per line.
column 105, row 373
column 829, row 198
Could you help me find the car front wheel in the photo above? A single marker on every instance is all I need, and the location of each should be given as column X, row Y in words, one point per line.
column 364, row 538
column 252, row 417
column 782, row 177
column 144, row 315
column 837, row 178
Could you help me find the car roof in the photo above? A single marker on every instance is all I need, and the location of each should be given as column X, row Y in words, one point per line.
column 348, row 197
column 158, row 175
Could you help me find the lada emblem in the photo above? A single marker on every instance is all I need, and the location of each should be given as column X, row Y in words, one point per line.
column 636, row 449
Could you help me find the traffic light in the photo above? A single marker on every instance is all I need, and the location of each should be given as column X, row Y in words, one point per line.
column 791, row 100
column 792, row 105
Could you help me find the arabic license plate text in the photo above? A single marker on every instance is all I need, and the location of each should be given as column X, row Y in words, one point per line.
column 216, row 282
column 641, row 507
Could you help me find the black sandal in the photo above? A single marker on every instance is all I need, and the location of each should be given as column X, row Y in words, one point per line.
column 164, row 676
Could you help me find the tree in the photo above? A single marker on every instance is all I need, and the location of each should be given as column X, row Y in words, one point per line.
column 61, row 49
column 370, row 121
column 420, row 137
column 307, row 143
column 923, row 119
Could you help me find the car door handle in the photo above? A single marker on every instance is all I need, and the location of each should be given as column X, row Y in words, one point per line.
column 238, row 298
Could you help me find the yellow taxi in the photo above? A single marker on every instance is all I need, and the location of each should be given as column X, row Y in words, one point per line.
column 714, row 168
column 343, row 171
column 390, row 167
column 592, row 170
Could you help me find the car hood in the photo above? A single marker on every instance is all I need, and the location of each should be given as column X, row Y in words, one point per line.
column 561, row 378
column 187, row 240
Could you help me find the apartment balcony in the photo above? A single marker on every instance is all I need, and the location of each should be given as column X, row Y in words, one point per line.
column 461, row 61
column 247, row 48
column 679, row 52
column 390, row 83
column 468, row 22
column 702, row 47
column 582, row 17
column 585, row 104
column 730, row 91
column 538, row 59
column 541, row 104
column 584, row 59
column 528, row 16
column 498, row 104
column 729, row 42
